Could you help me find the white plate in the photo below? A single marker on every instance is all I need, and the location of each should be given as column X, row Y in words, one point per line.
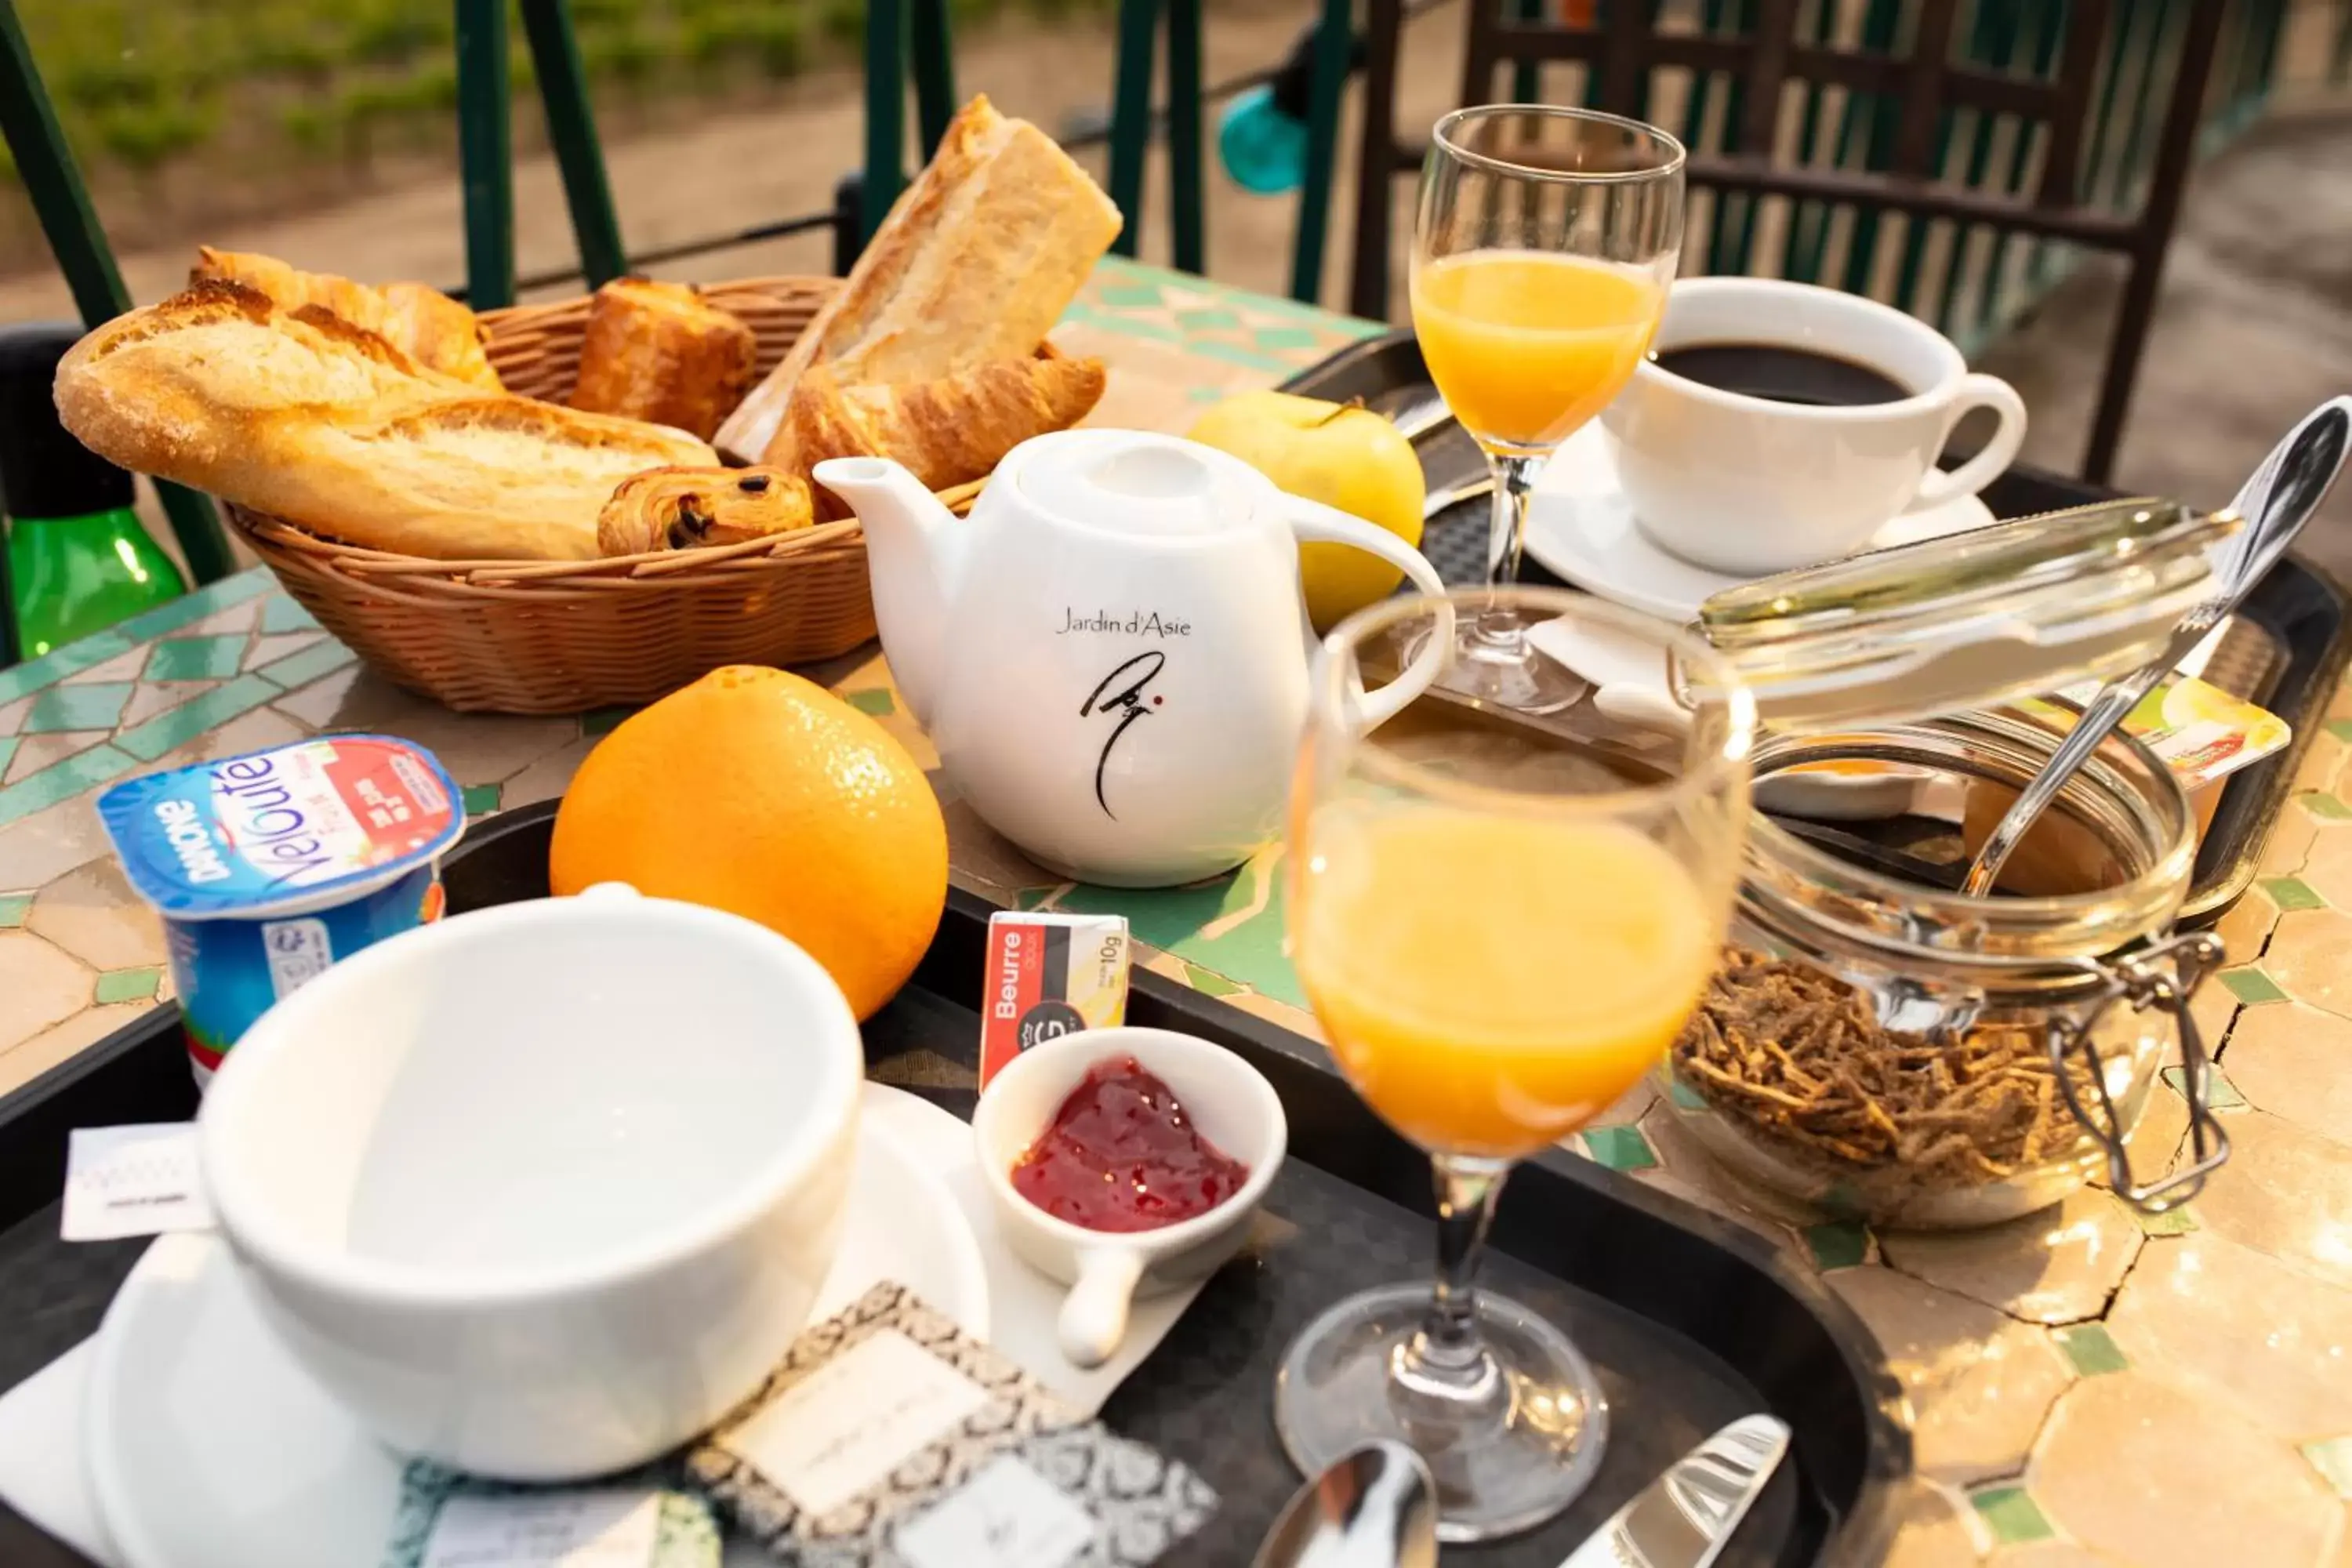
column 209, row 1447
column 1580, row 527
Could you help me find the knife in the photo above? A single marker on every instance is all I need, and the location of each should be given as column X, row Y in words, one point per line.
column 1682, row 1518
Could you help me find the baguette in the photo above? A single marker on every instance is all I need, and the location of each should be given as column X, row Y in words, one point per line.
column 303, row 416
column 976, row 262
column 427, row 325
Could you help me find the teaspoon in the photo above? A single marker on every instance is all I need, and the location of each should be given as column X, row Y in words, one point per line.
column 1374, row 1507
column 2275, row 501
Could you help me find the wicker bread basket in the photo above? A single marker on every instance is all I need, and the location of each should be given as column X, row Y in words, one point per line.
column 539, row 637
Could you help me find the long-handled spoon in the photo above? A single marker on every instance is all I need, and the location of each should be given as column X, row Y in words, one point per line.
column 2275, row 501
column 1375, row 1507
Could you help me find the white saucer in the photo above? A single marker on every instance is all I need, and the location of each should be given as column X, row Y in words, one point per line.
column 209, row 1447
column 1580, row 527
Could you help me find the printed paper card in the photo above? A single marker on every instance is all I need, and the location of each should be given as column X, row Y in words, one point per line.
column 889, row 1438
column 447, row 1520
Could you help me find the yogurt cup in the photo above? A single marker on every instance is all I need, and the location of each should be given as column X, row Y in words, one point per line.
column 269, row 867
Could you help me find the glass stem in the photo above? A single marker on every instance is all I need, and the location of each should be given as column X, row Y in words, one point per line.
column 1447, row 1348
column 1506, row 534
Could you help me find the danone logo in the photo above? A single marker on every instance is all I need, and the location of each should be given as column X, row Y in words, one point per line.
column 191, row 840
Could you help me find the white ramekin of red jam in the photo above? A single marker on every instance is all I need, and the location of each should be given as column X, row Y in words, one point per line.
column 1126, row 1162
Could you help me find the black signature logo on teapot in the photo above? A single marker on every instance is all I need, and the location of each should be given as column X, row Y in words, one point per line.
column 1121, row 692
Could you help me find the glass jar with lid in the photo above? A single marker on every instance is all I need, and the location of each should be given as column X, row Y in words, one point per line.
column 1878, row 1043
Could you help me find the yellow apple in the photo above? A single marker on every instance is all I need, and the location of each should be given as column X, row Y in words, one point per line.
column 1342, row 454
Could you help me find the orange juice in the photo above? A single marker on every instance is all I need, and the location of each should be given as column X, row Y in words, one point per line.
column 1525, row 346
column 1492, row 982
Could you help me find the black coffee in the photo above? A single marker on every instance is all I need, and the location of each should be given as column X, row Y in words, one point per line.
column 1781, row 373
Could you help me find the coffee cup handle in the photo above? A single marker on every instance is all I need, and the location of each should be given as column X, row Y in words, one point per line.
column 1313, row 523
column 1975, row 391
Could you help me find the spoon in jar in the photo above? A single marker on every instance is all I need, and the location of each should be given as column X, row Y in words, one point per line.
column 2275, row 501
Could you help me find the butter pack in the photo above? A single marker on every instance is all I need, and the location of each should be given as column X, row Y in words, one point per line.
column 890, row 1438
column 2197, row 729
column 1049, row 974
column 448, row 1520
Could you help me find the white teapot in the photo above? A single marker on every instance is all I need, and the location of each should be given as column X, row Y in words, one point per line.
column 1111, row 652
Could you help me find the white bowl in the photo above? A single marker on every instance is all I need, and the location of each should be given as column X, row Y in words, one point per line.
column 1230, row 1103
column 542, row 1191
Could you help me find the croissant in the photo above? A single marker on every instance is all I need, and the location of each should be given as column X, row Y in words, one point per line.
column 660, row 352
column 425, row 324
column 680, row 508
column 946, row 432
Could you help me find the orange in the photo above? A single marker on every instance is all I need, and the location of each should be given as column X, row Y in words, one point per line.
column 759, row 793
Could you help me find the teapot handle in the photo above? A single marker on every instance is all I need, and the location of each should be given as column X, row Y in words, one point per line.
column 1313, row 523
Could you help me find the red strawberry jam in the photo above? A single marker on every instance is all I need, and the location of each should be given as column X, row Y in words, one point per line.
column 1121, row 1155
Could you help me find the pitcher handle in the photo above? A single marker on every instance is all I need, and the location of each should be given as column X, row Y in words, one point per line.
column 1312, row 522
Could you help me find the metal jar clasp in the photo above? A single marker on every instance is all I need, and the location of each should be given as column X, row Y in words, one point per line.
column 2163, row 975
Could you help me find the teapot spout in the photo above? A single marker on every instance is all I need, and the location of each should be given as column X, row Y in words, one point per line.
column 914, row 552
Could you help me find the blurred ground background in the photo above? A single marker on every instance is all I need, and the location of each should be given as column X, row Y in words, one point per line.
column 321, row 130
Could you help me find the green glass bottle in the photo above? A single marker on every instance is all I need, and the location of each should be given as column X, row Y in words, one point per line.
column 78, row 558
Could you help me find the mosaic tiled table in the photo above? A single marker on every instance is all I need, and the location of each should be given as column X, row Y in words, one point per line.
column 2086, row 1387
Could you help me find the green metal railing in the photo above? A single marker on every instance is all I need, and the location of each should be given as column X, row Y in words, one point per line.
column 1984, row 280
column 28, row 124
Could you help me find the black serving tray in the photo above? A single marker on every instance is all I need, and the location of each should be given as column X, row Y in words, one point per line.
column 1691, row 1321
column 2285, row 649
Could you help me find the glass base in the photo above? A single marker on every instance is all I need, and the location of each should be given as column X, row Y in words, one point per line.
column 1512, row 1439
column 1497, row 665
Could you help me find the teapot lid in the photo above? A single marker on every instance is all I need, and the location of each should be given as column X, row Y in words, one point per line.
column 1136, row 481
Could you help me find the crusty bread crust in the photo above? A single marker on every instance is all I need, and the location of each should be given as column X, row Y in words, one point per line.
column 976, row 262
column 425, row 324
column 659, row 351
column 305, row 416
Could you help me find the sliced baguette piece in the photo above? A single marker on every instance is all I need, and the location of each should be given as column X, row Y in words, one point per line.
column 946, row 432
column 423, row 322
column 305, row 416
column 975, row 263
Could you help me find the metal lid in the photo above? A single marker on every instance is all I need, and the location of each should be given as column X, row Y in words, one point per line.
column 1969, row 620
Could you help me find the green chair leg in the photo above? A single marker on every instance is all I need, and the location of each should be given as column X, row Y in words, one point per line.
column 886, row 113
column 1185, row 195
column 1334, row 40
column 934, row 52
column 572, row 131
column 28, row 124
column 1871, row 116
column 1527, row 76
column 889, row 27
column 486, row 153
column 1131, row 126
column 1130, row 116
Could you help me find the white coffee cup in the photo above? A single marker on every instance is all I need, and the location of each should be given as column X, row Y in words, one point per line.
column 542, row 1191
column 1228, row 1101
column 1751, row 485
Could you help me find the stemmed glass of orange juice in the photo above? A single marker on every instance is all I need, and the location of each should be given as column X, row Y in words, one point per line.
column 1502, row 924
column 1546, row 241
